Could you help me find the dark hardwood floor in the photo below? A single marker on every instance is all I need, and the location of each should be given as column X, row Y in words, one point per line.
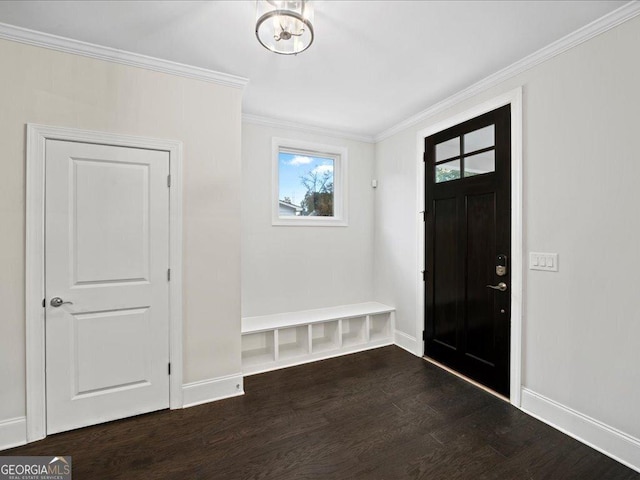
column 381, row 414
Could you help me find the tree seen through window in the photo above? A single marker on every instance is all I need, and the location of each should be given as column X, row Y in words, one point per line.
column 306, row 185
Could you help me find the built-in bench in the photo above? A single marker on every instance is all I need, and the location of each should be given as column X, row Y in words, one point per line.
column 276, row 341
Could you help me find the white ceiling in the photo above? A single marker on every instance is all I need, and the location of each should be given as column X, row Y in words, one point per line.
column 372, row 65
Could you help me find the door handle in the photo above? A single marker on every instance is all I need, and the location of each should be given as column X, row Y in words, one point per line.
column 501, row 286
column 57, row 301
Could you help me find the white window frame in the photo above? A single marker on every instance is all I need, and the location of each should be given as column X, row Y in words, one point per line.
column 340, row 192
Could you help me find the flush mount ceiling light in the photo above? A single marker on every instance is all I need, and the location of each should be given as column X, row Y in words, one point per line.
column 284, row 26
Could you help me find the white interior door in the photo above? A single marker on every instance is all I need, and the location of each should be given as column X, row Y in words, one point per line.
column 107, row 253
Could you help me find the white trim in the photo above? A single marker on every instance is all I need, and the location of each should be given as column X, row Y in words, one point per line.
column 612, row 442
column 35, row 289
column 108, row 54
column 517, row 246
column 175, row 285
column 340, row 183
column 305, row 128
column 205, row 391
column 407, row 342
column 514, row 98
column 601, row 25
column 13, row 432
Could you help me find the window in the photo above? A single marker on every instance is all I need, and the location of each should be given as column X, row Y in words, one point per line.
column 478, row 155
column 309, row 184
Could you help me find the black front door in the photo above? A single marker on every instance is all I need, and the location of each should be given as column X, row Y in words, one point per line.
column 468, row 248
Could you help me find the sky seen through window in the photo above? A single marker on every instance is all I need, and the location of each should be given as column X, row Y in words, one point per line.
column 293, row 166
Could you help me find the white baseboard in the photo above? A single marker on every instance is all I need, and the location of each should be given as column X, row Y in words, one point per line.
column 197, row 393
column 13, row 432
column 409, row 343
column 612, row 442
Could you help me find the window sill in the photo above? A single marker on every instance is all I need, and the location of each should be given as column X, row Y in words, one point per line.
column 309, row 222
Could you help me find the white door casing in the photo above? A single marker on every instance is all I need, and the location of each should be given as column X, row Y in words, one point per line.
column 107, row 182
column 106, row 252
column 513, row 98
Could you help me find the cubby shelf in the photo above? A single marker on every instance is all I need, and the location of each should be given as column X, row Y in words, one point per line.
column 292, row 342
column 270, row 342
column 258, row 349
column 325, row 336
column 379, row 327
column 354, row 331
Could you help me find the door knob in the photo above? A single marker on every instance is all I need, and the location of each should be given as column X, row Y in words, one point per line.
column 57, row 301
column 501, row 286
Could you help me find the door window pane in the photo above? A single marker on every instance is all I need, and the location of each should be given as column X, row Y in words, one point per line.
column 448, row 149
column 480, row 163
column 479, row 139
column 448, row 171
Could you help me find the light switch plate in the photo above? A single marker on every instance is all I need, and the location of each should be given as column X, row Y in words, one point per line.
column 543, row 261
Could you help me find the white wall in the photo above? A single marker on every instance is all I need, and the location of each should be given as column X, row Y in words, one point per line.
column 396, row 269
column 287, row 268
column 581, row 174
column 48, row 87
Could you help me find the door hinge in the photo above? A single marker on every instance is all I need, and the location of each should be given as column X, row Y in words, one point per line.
column 424, row 275
column 44, row 302
column 168, row 180
column 168, row 274
column 169, row 365
column 424, row 157
column 424, row 335
column 424, row 215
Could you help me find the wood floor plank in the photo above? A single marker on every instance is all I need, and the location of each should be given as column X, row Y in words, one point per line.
column 379, row 414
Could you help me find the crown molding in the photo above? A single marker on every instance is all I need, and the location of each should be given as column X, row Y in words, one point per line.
column 277, row 123
column 76, row 47
column 593, row 29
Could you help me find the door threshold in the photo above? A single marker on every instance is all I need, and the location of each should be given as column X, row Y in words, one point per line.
column 466, row 379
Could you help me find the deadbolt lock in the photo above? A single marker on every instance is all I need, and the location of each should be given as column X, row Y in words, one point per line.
column 501, row 265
